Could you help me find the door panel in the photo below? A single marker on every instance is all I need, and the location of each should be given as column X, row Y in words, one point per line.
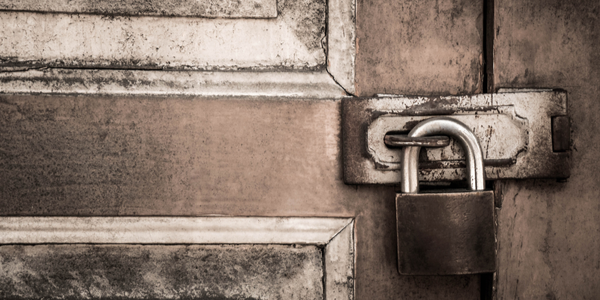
column 547, row 231
column 107, row 35
column 176, row 258
column 161, row 272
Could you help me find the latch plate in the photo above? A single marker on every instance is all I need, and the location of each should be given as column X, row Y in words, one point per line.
column 515, row 129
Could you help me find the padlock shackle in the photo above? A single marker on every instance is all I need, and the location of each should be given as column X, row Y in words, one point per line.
column 454, row 129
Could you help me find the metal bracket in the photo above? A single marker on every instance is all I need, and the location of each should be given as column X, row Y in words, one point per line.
column 524, row 134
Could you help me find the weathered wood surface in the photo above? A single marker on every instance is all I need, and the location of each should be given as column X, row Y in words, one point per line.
column 419, row 47
column 549, row 232
column 92, row 155
column 161, row 272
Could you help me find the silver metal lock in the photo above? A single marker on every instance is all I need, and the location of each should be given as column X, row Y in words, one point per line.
column 448, row 233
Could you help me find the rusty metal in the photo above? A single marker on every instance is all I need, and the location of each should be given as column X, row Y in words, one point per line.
column 455, row 129
column 561, row 134
column 450, row 232
column 506, row 144
column 460, row 164
column 402, row 140
column 442, row 234
column 514, row 129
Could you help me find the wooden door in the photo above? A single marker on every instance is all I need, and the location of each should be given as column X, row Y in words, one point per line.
column 234, row 111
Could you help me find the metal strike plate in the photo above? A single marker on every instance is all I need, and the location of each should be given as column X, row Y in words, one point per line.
column 515, row 129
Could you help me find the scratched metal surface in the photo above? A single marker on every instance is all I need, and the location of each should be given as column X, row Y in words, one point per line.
column 513, row 128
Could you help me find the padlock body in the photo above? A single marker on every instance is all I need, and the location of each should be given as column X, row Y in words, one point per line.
column 446, row 233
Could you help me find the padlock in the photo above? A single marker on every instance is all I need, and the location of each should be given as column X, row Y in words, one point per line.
column 447, row 233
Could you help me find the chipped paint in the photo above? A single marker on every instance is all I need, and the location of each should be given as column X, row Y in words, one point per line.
column 307, row 35
column 292, row 41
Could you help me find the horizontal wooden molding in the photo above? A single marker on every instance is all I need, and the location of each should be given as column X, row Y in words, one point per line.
column 169, row 230
column 318, row 84
column 180, row 8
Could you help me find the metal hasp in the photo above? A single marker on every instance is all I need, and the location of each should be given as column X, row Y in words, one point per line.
column 448, row 233
column 523, row 134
